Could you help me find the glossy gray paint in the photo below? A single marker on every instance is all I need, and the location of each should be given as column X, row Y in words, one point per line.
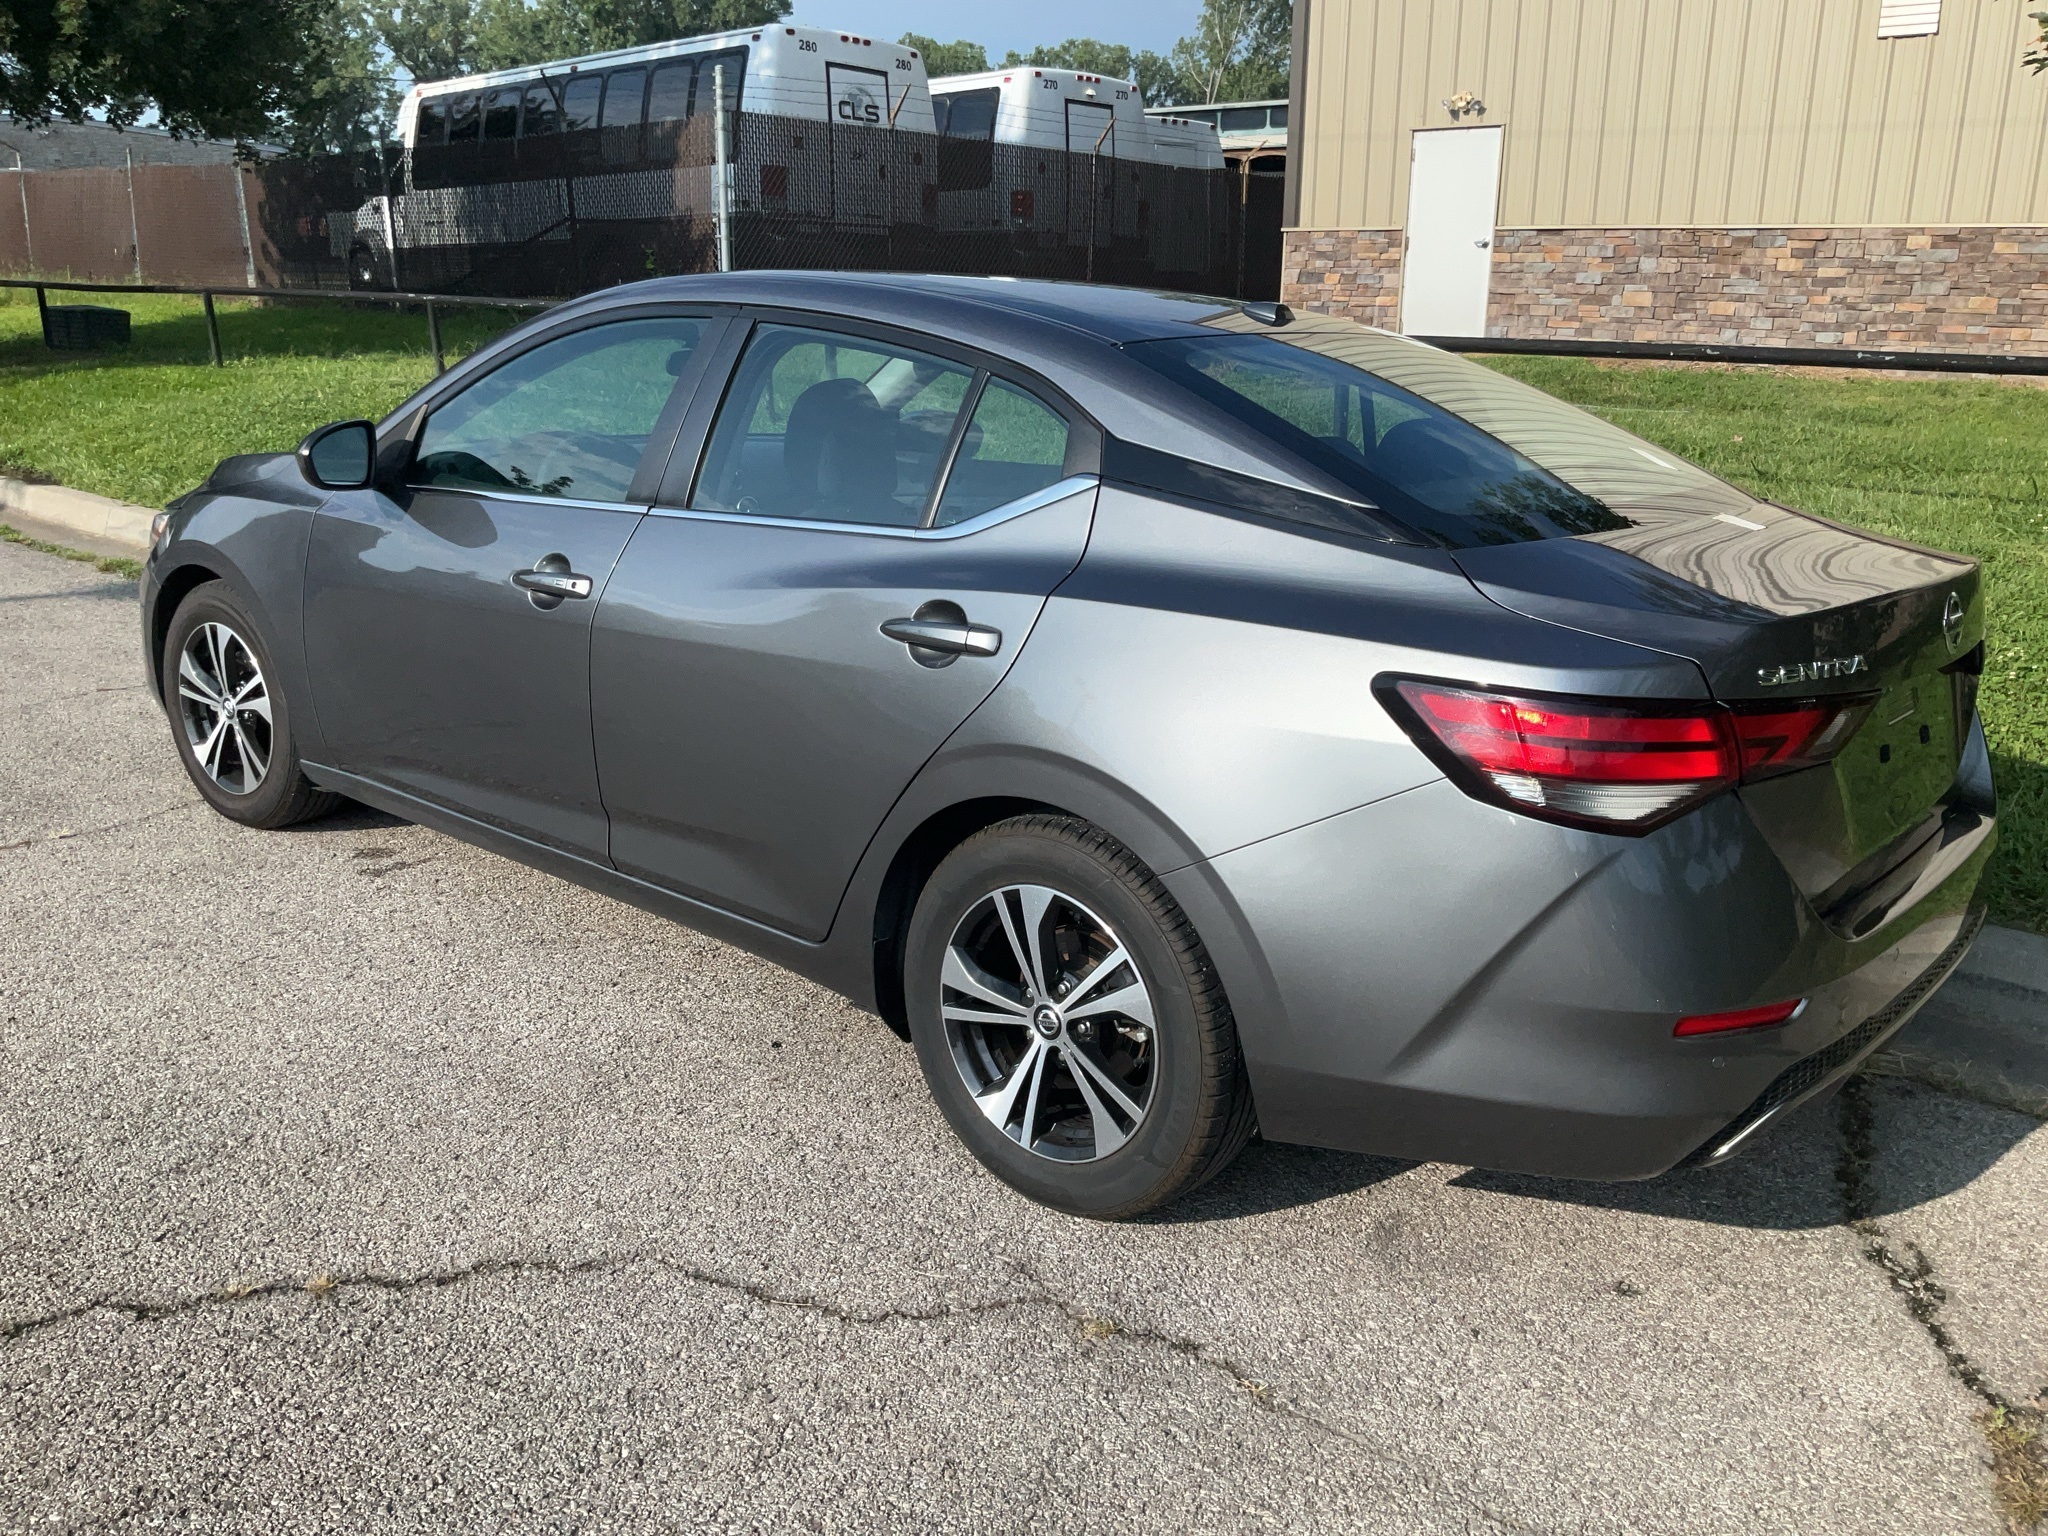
column 754, row 724
column 1412, row 972
column 432, row 672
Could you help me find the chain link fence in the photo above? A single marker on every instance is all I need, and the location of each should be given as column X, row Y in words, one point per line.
column 564, row 213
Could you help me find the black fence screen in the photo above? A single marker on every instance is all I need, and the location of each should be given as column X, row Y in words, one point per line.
column 562, row 213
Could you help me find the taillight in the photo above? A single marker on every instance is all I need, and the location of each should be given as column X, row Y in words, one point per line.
column 1619, row 766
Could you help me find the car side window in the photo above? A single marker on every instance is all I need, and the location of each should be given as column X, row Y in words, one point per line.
column 1014, row 445
column 570, row 418
column 831, row 428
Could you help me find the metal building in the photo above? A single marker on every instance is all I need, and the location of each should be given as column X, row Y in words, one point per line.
column 1803, row 172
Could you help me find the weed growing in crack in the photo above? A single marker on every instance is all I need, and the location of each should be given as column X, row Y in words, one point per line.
column 2012, row 1431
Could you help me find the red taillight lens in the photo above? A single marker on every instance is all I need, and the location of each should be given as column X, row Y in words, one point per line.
column 1740, row 1018
column 1618, row 766
column 1796, row 735
column 1572, row 760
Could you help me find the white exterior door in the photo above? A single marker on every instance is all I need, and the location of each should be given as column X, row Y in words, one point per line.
column 1453, row 189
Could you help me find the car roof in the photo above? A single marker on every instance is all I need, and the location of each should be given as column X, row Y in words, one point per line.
column 990, row 311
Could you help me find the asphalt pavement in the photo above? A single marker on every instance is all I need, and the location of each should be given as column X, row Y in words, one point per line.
column 358, row 1180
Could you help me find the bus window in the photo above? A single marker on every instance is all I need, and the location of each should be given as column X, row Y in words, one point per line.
column 669, row 97
column 1244, row 120
column 967, row 128
column 579, row 102
column 542, row 115
column 625, row 93
column 464, row 122
column 501, row 114
column 432, row 126
column 1277, row 118
column 735, row 62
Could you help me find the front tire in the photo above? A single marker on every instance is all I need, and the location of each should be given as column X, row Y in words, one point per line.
column 230, row 719
column 1069, row 1021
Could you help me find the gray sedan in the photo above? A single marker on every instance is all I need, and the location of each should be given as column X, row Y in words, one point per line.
column 1180, row 719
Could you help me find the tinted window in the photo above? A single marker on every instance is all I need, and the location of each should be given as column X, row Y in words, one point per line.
column 670, row 97
column 501, row 115
column 1244, row 120
column 1425, row 465
column 1014, row 445
column 832, row 428
column 464, row 121
column 967, row 114
column 542, row 115
column 579, row 102
column 570, row 418
column 735, row 62
column 432, row 127
column 1276, row 117
column 622, row 97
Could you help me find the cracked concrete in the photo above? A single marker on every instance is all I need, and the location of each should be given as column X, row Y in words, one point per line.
column 358, row 1180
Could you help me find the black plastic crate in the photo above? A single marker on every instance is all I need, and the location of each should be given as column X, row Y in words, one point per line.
column 84, row 327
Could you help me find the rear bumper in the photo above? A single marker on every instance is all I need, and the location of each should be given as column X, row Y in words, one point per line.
column 1432, row 978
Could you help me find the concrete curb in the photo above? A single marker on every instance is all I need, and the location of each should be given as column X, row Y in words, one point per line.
column 1984, row 1033
column 101, row 524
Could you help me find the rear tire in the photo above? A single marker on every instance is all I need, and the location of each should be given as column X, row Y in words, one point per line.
column 230, row 718
column 1070, row 1023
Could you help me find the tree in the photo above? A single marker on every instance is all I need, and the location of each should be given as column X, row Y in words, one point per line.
column 437, row 39
column 2036, row 56
column 221, row 68
column 1240, row 50
column 955, row 58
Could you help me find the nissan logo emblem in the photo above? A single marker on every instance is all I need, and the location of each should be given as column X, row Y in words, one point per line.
column 1952, row 620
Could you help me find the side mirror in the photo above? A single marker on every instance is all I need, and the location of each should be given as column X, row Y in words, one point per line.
column 340, row 457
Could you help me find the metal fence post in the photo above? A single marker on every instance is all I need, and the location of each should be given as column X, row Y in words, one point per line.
column 434, row 335
column 134, row 225
column 212, row 329
column 242, row 212
column 723, row 199
column 28, row 236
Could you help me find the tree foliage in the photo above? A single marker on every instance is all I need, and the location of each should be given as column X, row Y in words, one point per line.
column 1152, row 71
column 224, row 68
column 437, row 39
column 1240, row 50
column 955, row 58
column 2036, row 56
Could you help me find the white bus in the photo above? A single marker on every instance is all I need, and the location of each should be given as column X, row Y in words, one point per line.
column 524, row 183
column 987, row 182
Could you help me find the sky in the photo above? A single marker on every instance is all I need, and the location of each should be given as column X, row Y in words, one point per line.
column 1154, row 24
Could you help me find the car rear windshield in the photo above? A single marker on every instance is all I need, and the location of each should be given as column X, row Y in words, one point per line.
column 1451, row 448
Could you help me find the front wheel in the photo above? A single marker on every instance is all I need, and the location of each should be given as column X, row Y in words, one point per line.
column 1070, row 1023
column 230, row 719
column 365, row 271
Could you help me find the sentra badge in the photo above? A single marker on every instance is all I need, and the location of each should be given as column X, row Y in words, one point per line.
column 1811, row 671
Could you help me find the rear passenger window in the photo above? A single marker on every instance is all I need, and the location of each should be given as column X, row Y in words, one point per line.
column 579, row 103
column 433, row 123
column 831, row 428
column 670, row 97
column 464, row 121
column 570, row 418
column 623, row 93
column 542, row 115
column 1014, row 445
column 501, row 115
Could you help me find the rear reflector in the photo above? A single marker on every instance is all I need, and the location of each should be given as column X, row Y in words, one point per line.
column 1624, row 766
column 1741, row 1018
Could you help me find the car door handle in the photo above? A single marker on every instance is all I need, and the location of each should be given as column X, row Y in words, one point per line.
column 551, row 580
column 953, row 639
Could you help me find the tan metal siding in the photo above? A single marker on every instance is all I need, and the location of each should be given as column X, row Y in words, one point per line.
column 1681, row 113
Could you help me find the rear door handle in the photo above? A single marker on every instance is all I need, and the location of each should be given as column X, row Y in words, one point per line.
column 551, row 580
column 945, row 636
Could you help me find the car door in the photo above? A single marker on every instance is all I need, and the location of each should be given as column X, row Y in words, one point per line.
column 448, row 620
column 792, row 633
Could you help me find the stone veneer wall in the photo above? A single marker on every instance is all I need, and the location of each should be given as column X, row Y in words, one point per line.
column 1924, row 289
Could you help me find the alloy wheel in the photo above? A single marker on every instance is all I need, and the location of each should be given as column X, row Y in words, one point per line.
column 1049, row 1023
column 225, row 705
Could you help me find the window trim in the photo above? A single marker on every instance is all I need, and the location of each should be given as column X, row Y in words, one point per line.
column 1085, row 436
column 1059, row 490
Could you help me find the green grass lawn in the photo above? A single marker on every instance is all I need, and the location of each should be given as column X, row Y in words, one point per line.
column 147, row 422
column 1952, row 463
